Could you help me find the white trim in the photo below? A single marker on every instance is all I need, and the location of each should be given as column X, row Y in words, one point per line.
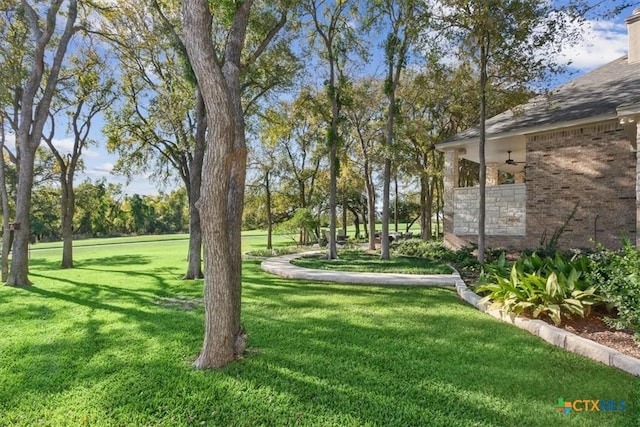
column 528, row 131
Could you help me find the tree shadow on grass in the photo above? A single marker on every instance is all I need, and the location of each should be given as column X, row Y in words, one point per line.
column 110, row 261
column 161, row 276
column 86, row 348
column 319, row 355
column 430, row 369
column 421, row 357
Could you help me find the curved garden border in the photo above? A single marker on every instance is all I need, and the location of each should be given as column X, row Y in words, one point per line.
column 281, row 266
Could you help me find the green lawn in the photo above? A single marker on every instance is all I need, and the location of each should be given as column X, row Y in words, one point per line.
column 110, row 343
column 356, row 260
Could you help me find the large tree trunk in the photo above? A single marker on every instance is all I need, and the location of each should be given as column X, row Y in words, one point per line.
column 332, row 247
column 386, row 187
column 267, row 185
column 481, row 155
column 223, row 177
column 332, row 250
column 371, row 207
column 356, row 222
column 19, row 274
column 365, row 222
column 237, row 179
column 425, row 208
column 395, row 203
column 32, row 120
column 384, row 233
column 344, row 213
column 4, row 197
column 194, row 262
column 194, row 259
column 67, row 211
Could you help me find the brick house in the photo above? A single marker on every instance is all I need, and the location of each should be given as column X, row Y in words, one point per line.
column 574, row 146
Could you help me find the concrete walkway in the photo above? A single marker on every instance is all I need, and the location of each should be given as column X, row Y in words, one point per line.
column 281, row 266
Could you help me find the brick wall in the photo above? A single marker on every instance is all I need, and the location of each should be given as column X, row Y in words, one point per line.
column 593, row 166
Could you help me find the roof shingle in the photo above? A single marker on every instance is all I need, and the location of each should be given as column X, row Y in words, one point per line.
column 595, row 94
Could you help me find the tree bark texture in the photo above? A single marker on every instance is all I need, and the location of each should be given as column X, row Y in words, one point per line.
column 371, row 206
column 224, row 170
column 67, row 210
column 332, row 250
column 19, row 273
column 481, row 152
column 267, row 185
column 32, row 120
column 345, row 208
column 384, row 233
column 395, row 203
column 386, row 186
column 391, row 84
column 194, row 262
column 425, row 208
column 4, row 197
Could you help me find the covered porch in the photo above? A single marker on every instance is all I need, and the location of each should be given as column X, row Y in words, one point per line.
column 506, row 192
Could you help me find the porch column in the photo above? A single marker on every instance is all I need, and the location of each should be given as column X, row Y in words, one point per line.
column 451, row 180
column 518, row 178
column 493, row 176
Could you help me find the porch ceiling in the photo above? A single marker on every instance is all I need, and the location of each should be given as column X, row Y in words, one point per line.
column 496, row 152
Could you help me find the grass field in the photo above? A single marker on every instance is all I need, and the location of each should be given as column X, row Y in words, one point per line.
column 111, row 343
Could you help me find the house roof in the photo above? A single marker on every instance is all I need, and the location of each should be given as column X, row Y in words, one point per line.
column 594, row 96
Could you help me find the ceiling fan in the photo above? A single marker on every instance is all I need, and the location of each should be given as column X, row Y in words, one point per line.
column 510, row 161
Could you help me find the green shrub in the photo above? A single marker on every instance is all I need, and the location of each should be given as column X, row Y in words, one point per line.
column 420, row 248
column 617, row 275
column 551, row 286
column 276, row 251
column 435, row 250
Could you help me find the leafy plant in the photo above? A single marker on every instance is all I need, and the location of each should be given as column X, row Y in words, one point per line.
column 551, row 286
column 302, row 220
column 617, row 274
column 550, row 246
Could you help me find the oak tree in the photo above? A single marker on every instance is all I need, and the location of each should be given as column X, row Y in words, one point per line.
column 48, row 47
column 218, row 70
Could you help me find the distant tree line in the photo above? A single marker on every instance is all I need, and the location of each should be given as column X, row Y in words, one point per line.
column 104, row 210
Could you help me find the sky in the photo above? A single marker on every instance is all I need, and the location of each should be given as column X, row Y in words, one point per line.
column 604, row 41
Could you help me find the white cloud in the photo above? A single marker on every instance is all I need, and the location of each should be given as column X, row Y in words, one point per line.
column 64, row 146
column 100, row 170
column 602, row 43
column 91, row 154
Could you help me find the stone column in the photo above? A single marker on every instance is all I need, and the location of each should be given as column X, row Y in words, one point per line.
column 493, row 176
column 451, row 180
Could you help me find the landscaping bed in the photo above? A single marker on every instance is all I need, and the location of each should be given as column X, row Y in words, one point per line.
column 360, row 261
column 595, row 329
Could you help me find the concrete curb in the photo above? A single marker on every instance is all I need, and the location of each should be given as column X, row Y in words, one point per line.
column 556, row 336
column 281, row 266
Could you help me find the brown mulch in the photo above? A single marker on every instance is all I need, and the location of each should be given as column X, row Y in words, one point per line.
column 595, row 329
